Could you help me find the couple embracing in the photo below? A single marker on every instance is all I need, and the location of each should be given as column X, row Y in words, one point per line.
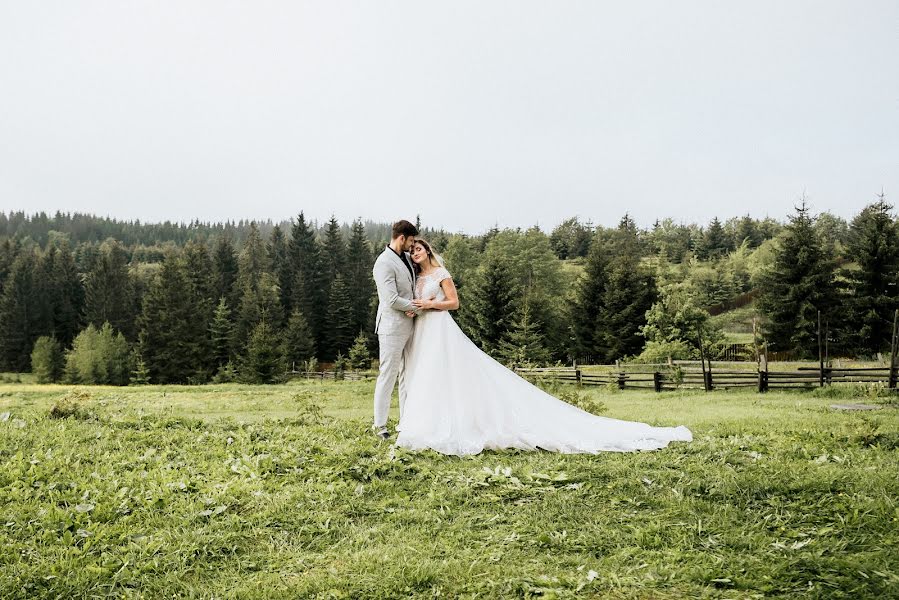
column 456, row 399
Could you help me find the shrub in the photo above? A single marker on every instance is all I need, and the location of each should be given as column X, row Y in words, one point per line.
column 47, row 360
column 658, row 352
column 71, row 405
column 99, row 357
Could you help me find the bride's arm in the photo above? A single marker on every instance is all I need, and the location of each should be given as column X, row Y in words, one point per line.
column 451, row 302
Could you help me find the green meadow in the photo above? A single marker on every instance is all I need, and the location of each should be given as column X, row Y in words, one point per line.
column 282, row 492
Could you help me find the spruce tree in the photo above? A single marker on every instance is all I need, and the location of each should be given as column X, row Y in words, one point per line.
column 299, row 345
column 628, row 294
column 873, row 288
column 264, row 357
column 587, row 309
column 68, row 296
column 20, row 323
column 524, row 344
column 359, row 357
column 333, row 251
column 199, row 269
column 715, row 242
column 359, row 263
column 109, row 294
column 47, row 360
column 491, row 303
column 169, row 331
column 221, row 332
column 340, row 319
column 799, row 284
column 278, row 263
column 306, row 288
column 748, row 231
column 224, row 272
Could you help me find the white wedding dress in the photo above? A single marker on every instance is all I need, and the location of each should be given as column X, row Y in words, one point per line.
column 461, row 401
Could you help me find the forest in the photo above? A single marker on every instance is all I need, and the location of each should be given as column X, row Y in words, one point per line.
column 87, row 299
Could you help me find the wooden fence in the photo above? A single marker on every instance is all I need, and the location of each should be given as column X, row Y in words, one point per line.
column 675, row 376
column 331, row 375
column 708, row 379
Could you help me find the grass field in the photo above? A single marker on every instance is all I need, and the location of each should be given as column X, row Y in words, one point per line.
column 281, row 492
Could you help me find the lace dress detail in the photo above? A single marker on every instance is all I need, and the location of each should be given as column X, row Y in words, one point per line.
column 461, row 401
column 428, row 286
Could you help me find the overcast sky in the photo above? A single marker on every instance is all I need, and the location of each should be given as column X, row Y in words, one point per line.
column 467, row 113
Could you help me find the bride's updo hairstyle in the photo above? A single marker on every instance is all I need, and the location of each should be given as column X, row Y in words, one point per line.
column 432, row 258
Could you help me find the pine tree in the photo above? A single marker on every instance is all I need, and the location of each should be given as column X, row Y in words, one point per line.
column 747, row 230
column 359, row 263
column 524, row 344
column 109, row 294
column 199, row 270
column 715, row 242
column 491, row 303
column 628, row 294
column 253, row 260
column 278, row 263
column 221, row 332
column 334, row 251
column 587, row 309
column 169, row 331
column 20, row 323
column 873, row 288
column 224, row 269
column 259, row 302
column 307, row 292
column 299, row 346
column 140, row 375
column 264, row 360
column 340, row 319
column 799, row 284
column 47, row 360
column 359, row 357
column 8, row 252
column 67, row 296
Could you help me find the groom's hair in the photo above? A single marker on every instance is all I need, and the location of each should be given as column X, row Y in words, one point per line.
column 403, row 228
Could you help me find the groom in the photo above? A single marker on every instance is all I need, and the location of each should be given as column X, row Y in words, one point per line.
column 395, row 280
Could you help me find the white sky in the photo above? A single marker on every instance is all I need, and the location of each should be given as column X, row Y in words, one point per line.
column 469, row 113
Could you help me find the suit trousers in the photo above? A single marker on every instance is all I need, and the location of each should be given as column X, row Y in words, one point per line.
column 392, row 354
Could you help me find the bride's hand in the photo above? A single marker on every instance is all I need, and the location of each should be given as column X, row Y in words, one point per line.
column 410, row 314
column 424, row 304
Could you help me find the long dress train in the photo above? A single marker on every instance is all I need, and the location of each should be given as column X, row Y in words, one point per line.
column 461, row 401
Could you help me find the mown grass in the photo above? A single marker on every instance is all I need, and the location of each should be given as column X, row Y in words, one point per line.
column 281, row 492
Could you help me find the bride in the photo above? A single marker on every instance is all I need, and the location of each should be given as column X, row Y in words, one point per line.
column 461, row 401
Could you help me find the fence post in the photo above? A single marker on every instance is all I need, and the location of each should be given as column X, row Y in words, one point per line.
column 577, row 375
column 820, row 354
column 621, row 380
column 763, row 381
column 895, row 348
column 705, row 377
column 657, row 381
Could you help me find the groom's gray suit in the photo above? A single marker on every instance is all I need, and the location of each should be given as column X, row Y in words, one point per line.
column 395, row 281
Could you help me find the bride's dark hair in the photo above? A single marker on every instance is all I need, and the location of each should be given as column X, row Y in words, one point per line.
column 431, row 258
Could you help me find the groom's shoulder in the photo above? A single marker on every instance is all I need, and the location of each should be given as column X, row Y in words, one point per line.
column 382, row 257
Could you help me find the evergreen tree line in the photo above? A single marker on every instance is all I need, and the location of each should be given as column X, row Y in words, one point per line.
column 217, row 310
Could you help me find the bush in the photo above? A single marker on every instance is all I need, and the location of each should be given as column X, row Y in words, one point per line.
column 658, row 352
column 47, row 360
column 71, row 405
column 99, row 357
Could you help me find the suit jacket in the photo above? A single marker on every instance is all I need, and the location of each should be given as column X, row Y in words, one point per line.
column 395, row 292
